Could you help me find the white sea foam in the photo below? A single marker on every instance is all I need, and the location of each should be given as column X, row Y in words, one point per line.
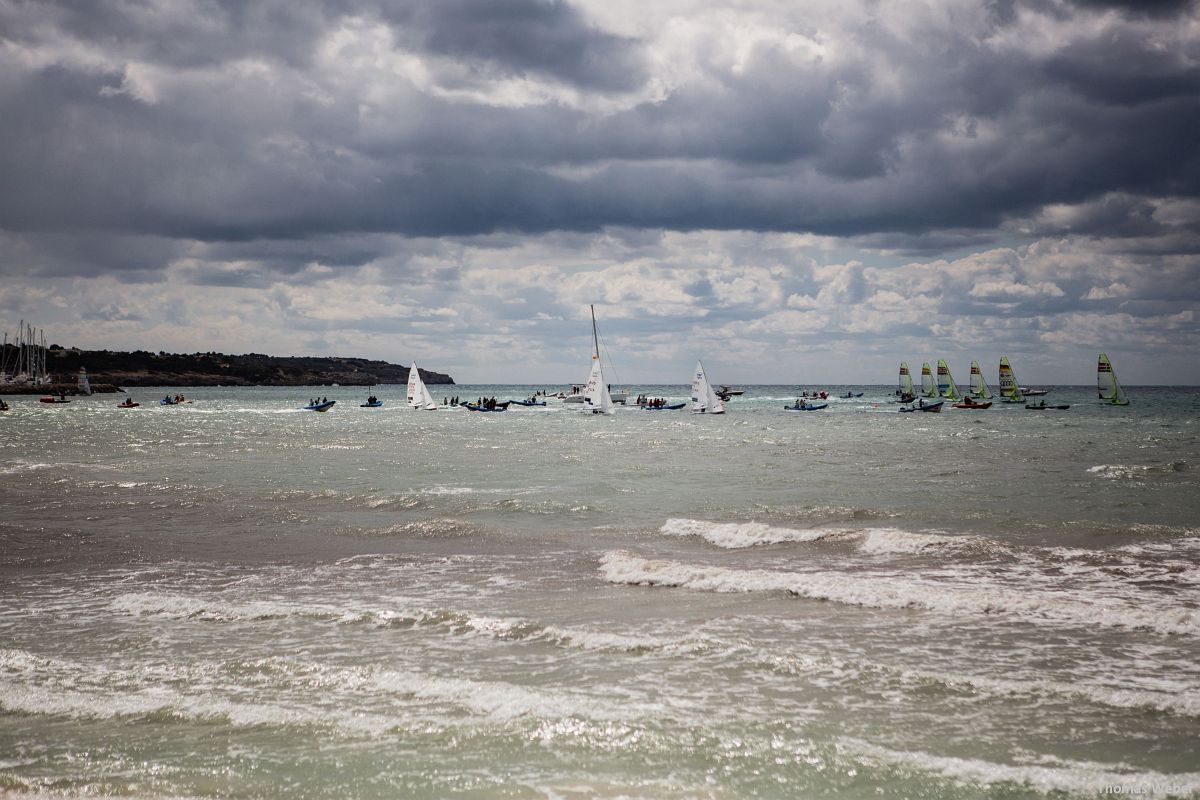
column 114, row 703
column 874, row 541
column 1038, row 606
column 178, row 606
column 173, row 606
column 501, row 700
column 437, row 527
column 1183, row 701
column 887, row 541
column 734, row 535
column 1176, row 698
column 1055, row 775
column 1120, row 471
column 568, row 636
column 16, row 467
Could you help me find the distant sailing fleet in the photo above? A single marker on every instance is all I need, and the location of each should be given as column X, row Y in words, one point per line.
column 598, row 397
column 980, row 395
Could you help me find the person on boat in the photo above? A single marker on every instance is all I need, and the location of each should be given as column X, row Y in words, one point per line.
column 921, row 403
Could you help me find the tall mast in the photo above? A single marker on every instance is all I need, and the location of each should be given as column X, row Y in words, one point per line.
column 595, row 338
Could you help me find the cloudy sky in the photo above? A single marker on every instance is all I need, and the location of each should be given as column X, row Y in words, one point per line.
column 795, row 192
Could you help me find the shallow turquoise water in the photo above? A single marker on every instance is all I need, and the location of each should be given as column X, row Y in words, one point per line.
column 236, row 598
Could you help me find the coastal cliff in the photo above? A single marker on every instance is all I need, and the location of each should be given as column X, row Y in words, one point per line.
column 143, row 368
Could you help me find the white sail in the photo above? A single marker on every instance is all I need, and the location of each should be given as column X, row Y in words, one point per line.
column 906, row 384
column 1107, row 385
column 947, row 388
column 427, row 401
column 979, row 387
column 85, row 386
column 1010, row 390
column 418, row 392
column 928, row 386
column 596, row 393
column 704, row 398
column 414, row 376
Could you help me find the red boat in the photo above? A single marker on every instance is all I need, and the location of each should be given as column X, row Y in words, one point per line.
column 969, row 403
column 49, row 399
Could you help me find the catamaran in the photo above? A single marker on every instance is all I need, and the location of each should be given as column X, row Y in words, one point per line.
column 905, row 390
column 947, row 388
column 1010, row 390
column 979, row 387
column 928, row 386
column 1107, row 385
column 704, row 399
column 418, row 393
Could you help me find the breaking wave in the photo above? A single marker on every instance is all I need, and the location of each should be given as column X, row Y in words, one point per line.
column 1053, row 775
column 1038, row 606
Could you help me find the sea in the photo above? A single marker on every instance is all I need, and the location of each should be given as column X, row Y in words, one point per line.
column 237, row 598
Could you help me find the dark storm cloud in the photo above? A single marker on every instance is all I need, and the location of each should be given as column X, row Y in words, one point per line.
column 130, row 259
column 191, row 33
column 1143, row 72
column 227, row 122
column 513, row 37
column 1140, row 8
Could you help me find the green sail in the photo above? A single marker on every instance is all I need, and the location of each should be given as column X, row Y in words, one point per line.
column 1107, row 385
column 1010, row 390
column 947, row 388
column 928, row 386
column 979, row 387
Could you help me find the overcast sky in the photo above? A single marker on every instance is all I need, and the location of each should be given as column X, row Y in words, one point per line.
column 794, row 192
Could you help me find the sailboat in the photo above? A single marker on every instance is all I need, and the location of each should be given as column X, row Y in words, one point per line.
column 704, row 399
column 979, row 387
column 947, row 388
column 418, row 393
column 85, row 386
column 595, row 394
column 905, row 391
column 578, row 393
column 1107, row 385
column 1010, row 390
column 928, row 386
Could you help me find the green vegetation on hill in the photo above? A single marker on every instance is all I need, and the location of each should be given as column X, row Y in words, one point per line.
column 143, row 368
